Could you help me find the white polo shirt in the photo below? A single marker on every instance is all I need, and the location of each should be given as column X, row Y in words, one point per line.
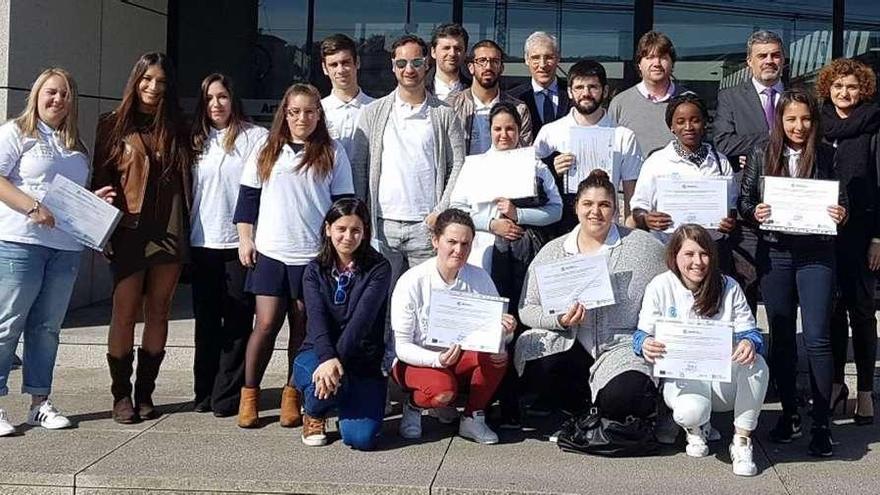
column 30, row 164
column 408, row 178
column 342, row 117
column 627, row 161
column 443, row 90
column 667, row 297
column 293, row 204
column 216, row 181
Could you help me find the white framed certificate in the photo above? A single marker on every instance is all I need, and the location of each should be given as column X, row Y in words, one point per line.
column 502, row 174
column 699, row 200
column 577, row 278
column 800, row 205
column 470, row 320
column 695, row 349
column 80, row 213
column 592, row 147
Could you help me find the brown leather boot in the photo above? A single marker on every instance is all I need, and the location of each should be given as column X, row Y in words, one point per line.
column 145, row 382
column 313, row 433
column 120, row 387
column 249, row 408
column 291, row 414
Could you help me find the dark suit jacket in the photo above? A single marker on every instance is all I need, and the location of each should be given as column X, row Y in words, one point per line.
column 739, row 122
column 525, row 93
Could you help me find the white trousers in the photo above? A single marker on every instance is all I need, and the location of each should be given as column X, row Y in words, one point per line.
column 693, row 401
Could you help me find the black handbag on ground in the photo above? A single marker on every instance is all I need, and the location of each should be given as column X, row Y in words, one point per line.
column 590, row 433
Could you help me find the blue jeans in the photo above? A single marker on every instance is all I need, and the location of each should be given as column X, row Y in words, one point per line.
column 360, row 401
column 36, row 283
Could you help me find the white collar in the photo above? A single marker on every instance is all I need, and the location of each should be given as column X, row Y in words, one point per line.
column 788, row 151
column 479, row 105
column 334, row 102
column 45, row 128
column 554, row 87
column 412, row 109
column 605, row 121
column 759, row 87
column 612, row 240
column 642, row 88
column 457, row 84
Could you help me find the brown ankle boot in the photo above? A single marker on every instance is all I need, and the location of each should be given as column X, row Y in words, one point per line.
column 249, row 408
column 145, row 382
column 120, row 387
column 291, row 415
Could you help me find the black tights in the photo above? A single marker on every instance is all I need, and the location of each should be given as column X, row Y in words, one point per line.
column 270, row 313
column 630, row 393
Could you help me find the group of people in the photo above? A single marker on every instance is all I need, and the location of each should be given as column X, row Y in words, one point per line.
column 348, row 212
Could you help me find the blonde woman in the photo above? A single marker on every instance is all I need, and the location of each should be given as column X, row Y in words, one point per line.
column 39, row 262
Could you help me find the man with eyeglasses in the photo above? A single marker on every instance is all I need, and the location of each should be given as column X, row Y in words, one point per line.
column 448, row 46
column 472, row 106
column 545, row 95
column 407, row 152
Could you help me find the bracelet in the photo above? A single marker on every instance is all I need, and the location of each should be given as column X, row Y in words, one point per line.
column 33, row 209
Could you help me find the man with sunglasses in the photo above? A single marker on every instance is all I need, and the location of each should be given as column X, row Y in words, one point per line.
column 472, row 106
column 407, row 152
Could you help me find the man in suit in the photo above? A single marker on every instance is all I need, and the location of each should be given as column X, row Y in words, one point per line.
column 449, row 44
column 745, row 116
column 545, row 95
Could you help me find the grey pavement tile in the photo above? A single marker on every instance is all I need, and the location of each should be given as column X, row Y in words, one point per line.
column 95, row 383
column 35, row 490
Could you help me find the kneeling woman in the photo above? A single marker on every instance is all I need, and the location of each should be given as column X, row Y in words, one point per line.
column 431, row 375
column 694, row 288
column 593, row 346
column 340, row 362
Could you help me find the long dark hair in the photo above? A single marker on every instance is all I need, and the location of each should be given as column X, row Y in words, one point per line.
column 708, row 296
column 167, row 122
column 365, row 256
column 775, row 163
column 202, row 122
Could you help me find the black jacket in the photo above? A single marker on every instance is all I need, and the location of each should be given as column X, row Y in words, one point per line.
column 526, row 94
column 751, row 190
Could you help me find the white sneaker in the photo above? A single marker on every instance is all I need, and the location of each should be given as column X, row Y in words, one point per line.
column 475, row 428
column 411, row 422
column 445, row 415
column 666, row 430
column 741, row 455
column 47, row 416
column 6, row 427
column 696, row 442
column 711, row 433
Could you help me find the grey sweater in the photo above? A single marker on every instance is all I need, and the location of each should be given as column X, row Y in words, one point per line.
column 632, row 264
column 647, row 119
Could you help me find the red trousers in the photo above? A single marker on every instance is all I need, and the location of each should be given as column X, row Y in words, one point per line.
column 438, row 387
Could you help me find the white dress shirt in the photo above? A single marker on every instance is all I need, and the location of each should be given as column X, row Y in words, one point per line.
column 539, row 96
column 778, row 87
column 342, row 117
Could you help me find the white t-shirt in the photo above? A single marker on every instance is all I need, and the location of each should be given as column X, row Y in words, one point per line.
column 293, row 204
column 216, row 181
column 627, row 158
column 667, row 297
column 443, row 90
column 342, row 117
column 411, row 302
column 481, row 136
column 30, row 164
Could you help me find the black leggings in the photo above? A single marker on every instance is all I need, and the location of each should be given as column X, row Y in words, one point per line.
column 630, row 393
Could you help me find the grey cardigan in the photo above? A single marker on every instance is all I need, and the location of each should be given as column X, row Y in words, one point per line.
column 632, row 264
column 366, row 154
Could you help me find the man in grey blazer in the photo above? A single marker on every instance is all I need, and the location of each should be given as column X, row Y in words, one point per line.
column 746, row 113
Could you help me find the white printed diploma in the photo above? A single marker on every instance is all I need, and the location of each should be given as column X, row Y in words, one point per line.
column 702, row 201
column 592, row 147
column 77, row 211
column 470, row 320
column 502, row 174
column 580, row 278
column 695, row 350
column 800, row 205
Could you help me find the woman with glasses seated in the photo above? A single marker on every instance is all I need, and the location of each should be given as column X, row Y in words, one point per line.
column 339, row 366
column 287, row 186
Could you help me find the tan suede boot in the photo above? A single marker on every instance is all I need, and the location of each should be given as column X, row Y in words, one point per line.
column 249, row 408
column 291, row 415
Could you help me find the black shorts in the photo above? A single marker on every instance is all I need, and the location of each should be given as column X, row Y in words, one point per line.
column 270, row 277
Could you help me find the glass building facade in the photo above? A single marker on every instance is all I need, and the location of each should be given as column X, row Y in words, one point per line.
column 266, row 45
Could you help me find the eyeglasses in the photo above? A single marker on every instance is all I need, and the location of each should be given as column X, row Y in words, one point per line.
column 342, row 283
column 541, row 59
column 416, row 63
column 486, row 61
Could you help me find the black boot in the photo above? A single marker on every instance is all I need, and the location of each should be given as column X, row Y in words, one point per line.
column 120, row 387
column 145, row 382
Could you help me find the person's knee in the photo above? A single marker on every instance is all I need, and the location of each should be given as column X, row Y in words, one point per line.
column 360, row 434
column 691, row 411
column 442, row 399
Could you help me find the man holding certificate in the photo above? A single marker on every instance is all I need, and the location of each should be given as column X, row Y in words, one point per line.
column 697, row 330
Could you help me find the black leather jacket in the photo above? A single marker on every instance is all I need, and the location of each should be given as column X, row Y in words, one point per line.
column 751, row 190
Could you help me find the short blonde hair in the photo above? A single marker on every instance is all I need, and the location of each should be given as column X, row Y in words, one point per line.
column 843, row 67
column 68, row 130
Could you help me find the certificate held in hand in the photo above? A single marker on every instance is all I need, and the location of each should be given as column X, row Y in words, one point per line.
column 702, row 201
column 502, row 174
column 695, row 350
column 86, row 217
column 592, row 147
column 800, row 205
column 470, row 320
column 579, row 278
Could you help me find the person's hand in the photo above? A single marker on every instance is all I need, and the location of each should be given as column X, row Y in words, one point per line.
column 874, row 256
column 327, row 378
column 653, row 350
column 727, row 225
column 508, row 323
column 450, row 356
column 762, row 212
column 744, row 353
column 498, row 358
column 42, row 217
column 742, row 161
column 656, row 220
column 431, row 219
column 574, row 316
column 837, row 213
column 107, row 193
column 563, row 162
column 506, row 208
column 505, row 228
column 247, row 252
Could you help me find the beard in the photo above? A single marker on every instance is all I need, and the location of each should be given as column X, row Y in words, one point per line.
column 587, row 107
column 491, row 83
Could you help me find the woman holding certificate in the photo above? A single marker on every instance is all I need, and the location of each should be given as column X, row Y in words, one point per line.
column 695, row 289
column 431, row 375
column 223, row 140
column 592, row 348
column 850, row 121
column 796, row 268
column 142, row 150
column 287, row 187
column 39, row 261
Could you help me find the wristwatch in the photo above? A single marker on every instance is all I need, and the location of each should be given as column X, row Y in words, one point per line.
column 33, row 208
